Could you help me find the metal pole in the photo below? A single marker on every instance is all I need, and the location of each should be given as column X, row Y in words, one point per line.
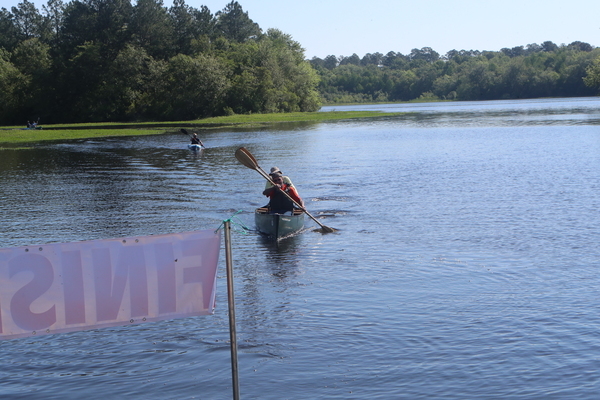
column 230, row 301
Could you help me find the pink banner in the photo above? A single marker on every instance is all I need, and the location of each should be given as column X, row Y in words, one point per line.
column 65, row 287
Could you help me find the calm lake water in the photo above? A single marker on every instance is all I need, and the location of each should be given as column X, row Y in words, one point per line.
column 466, row 265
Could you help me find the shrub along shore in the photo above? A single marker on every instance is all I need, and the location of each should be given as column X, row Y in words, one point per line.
column 11, row 135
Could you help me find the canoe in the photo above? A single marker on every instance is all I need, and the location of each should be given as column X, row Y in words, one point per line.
column 278, row 225
column 194, row 147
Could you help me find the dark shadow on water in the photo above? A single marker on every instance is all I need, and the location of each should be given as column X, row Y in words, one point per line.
column 281, row 256
column 281, row 246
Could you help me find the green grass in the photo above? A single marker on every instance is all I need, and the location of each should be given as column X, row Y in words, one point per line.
column 291, row 117
column 17, row 135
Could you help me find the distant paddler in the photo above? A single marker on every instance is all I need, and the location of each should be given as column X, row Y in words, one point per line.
column 195, row 140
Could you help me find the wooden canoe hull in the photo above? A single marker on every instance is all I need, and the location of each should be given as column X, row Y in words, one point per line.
column 278, row 225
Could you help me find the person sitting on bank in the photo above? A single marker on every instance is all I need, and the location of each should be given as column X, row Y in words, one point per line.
column 196, row 140
column 286, row 180
column 278, row 202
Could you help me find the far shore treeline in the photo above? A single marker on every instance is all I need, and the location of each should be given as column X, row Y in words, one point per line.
column 532, row 71
column 110, row 60
column 114, row 60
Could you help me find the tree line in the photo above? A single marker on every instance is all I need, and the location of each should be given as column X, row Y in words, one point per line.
column 111, row 60
column 532, row 71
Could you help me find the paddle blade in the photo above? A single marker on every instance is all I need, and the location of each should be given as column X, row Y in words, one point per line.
column 325, row 229
column 246, row 158
column 184, row 131
column 248, row 154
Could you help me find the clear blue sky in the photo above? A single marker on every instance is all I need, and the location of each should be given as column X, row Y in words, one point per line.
column 343, row 27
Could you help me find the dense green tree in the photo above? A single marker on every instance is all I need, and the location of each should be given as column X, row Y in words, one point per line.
column 54, row 14
column 112, row 25
column 521, row 72
column 100, row 60
column 130, row 81
column 549, row 46
column 27, row 19
column 330, row 62
column 427, row 74
column 9, row 36
column 514, row 52
column 152, row 29
column 572, row 71
column 206, row 22
column 205, row 33
column 426, row 54
column 372, row 59
column 12, row 86
column 395, row 60
column 13, row 90
column 404, row 83
column 455, row 56
column 191, row 87
column 317, row 63
column 78, row 85
column 271, row 74
column 235, row 24
column 533, row 48
column 592, row 78
column 354, row 59
column 183, row 27
column 517, row 78
column 32, row 57
column 444, row 87
column 294, row 81
column 581, row 46
column 79, row 27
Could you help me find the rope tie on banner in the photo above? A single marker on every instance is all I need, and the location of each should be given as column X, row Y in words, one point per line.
column 236, row 224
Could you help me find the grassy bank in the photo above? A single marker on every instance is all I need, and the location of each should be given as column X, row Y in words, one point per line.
column 18, row 135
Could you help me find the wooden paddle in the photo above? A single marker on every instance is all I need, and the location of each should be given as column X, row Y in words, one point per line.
column 246, row 158
column 185, row 132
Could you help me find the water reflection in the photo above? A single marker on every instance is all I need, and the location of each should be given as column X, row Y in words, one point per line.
column 278, row 246
column 470, row 227
column 533, row 112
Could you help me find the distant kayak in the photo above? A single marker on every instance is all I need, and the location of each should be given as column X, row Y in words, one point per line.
column 31, row 128
column 195, row 147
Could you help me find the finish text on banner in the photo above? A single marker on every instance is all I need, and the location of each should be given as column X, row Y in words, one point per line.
column 64, row 287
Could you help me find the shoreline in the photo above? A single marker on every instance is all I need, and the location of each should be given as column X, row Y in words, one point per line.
column 11, row 135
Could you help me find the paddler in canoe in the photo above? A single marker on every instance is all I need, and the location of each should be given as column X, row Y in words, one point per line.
column 279, row 202
column 286, row 179
column 244, row 156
